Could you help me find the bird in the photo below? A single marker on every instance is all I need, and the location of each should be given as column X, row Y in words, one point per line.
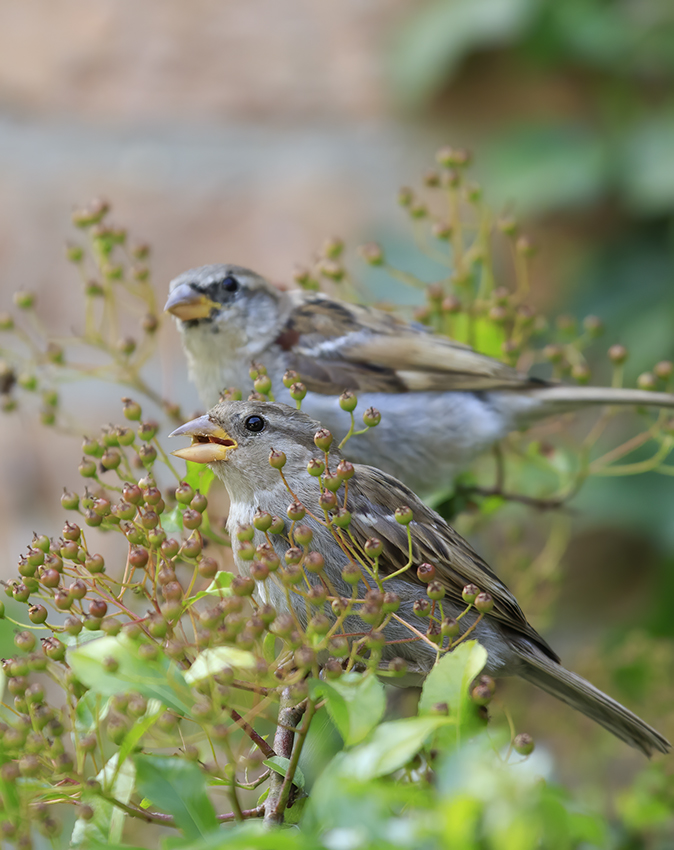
column 240, row 440
column 452, row 401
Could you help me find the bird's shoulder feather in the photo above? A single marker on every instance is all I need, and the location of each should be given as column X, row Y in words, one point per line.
column 335, row 346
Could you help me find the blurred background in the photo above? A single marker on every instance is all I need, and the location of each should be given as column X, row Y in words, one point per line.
column 250, row 132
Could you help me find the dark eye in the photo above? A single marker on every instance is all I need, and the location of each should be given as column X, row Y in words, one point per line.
column 254, row 423
column 231, row 284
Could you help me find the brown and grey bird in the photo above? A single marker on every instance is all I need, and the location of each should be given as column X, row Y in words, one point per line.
column 450, row 401
column 236, row 438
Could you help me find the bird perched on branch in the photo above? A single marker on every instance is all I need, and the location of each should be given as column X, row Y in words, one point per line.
column 449, row 401
column 248, row 442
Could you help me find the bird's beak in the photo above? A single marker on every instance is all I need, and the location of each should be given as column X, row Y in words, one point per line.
column 186, row 303
column 209, row 441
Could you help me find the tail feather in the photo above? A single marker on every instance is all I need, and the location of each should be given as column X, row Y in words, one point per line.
column 561, row 399
column 584, row 697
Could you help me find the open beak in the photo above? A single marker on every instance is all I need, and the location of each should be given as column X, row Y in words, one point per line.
column 186, row 303
column 209, row 441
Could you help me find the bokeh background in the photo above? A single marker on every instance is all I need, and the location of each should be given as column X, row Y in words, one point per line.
column 250, row 132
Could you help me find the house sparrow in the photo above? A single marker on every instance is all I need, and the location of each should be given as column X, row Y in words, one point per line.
column 236, row 439
column 451, row 402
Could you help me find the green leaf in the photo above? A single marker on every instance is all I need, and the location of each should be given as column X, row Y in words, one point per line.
column 220, row 586
column 212, row 661
column 178, row 787
column 280, row 764
column 172, row 521
column 392, row 746
column 90, row 710
column 449, row 682
column 355, row 702
column 160, row 679
column 546, row 166
column 199, row 476
column 438, row 35
column 107, row 824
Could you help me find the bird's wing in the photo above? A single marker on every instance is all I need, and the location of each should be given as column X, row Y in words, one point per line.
column 433, row 541
column 335, row 346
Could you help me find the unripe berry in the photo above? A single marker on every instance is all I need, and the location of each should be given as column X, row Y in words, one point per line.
column 92, row 519
column 207, row 567
column 70, row 501
column 339, row 646
column 345, row 470
column 132, row 410
column 296, row 512
column 147, row 430
column 323, row 439
column 170, row 548
column 341, row 518
column 303, row 535
column 348, row 401
column 111, row 459
column 327, row 500
column 242, row 586
column 332, row 481
column 617, row 354
column 646, row 381
column 390, row 603
column 277, row 460
column 245, row 533
column 469, row 593
column 262, row 384
column 293, row 555
column 63, row 600
column 483, row 602
column 25, row 641
column 138, row 556
column 426, row 573
column 373, row 547
column 246, row 550
column 435, row 591
column 192, row 519
column 404, row 515
column 277, row 526
column 351, row 573
column 316, row 467
column 523, row 744
column 37, row 614
column 314, row 562
column 71, row 531
column 24, row 300
column 290, row 378
column 422, row 607
column 371, row 417
column 594, row 326
column 664, row 369
column 449, row 627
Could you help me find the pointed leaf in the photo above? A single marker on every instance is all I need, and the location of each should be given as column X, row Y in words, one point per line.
column 355, row 702
column 177, row 787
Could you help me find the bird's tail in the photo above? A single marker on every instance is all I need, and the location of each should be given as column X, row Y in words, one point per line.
column 549, row 401
column 550, row 676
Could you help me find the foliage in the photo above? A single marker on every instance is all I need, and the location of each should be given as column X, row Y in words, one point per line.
column 166, row 695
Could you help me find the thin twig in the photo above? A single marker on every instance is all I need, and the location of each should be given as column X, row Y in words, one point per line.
column 262, row 745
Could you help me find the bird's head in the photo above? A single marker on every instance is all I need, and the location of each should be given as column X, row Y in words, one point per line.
column 237, row 437
column 222, row 298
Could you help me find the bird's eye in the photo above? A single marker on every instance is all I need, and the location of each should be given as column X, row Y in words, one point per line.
column 231, row 284
column 254, row 424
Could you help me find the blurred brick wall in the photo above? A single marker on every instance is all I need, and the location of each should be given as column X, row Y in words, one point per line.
column 218, row 130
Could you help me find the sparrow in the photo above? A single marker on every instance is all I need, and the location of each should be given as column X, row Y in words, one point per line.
column 451, row 402
column 239, row 440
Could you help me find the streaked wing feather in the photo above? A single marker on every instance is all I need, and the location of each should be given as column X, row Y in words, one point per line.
column 433, row 541
column 336, row 346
